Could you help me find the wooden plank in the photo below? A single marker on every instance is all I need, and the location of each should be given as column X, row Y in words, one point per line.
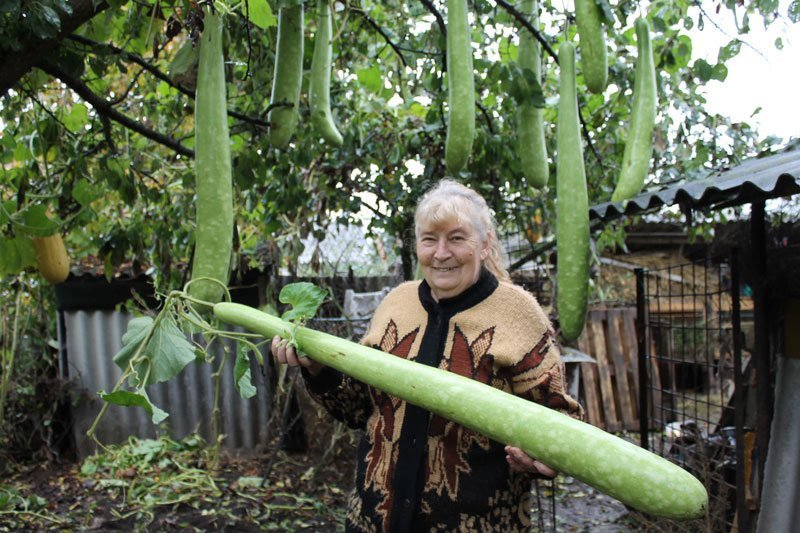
column 613, row 340
column 589, row 384
column 630, row 350
column 655, row 386
column 604, row 369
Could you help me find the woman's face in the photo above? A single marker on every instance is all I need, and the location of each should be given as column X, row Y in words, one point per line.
column 451, row 254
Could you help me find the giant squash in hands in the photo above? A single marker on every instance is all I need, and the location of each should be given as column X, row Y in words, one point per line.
column 615, row 466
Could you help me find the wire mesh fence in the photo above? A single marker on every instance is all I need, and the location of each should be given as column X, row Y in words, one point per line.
column 691, row 314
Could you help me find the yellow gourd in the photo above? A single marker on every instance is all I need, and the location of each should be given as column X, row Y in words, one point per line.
column 52, row 258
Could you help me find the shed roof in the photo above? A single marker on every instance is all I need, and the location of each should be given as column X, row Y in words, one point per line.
column 759, row 178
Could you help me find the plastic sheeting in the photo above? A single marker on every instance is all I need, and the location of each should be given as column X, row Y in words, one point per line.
column 755, row 179
column 781, row 496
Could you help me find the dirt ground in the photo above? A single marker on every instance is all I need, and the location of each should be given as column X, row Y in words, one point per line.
column 164, row 485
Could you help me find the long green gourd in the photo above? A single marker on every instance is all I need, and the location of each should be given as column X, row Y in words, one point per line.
column 614, row 466
column 572, row 205
column 532, row 148
column 288, row 76
column 213, row 178
column 639, row 146
column 461, row 87
column 592, row 36
column 320, row 86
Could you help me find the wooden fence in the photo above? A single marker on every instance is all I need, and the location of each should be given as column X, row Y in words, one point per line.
column 611, row 384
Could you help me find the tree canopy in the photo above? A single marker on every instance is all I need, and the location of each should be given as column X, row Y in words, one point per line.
column 97, row 111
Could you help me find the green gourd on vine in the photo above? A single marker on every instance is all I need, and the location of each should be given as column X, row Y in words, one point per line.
column 532, row 147
column 214, row 188
column 461, row 87
column 287, row 77
column 592, row 36
column 572, row 204
column 639, row 145
column 319, row 92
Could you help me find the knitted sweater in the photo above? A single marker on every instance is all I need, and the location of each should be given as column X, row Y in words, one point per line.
column 420, row 472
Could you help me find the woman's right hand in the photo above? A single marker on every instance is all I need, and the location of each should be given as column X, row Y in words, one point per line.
column 287, row 355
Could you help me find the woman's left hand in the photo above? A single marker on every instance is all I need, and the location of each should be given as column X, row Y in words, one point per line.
column 520, row 461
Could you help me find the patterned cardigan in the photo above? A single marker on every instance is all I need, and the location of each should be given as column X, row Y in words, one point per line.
column 420, row 472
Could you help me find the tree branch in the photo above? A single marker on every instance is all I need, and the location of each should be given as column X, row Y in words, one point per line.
column 383, row 34
column 486, row 115
column 158, row 74
column 438, row 16
column 442, row 27
column 33, row 49
column 104, row 108
column 514, row 12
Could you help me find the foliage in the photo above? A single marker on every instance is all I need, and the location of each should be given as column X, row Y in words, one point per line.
column 74, row 159
column 32, row 398
column 155, row 350
column 166, row 484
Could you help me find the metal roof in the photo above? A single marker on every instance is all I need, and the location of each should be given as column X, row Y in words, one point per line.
column 755, row 179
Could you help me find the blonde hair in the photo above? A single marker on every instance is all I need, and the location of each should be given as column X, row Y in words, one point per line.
column 450, row 200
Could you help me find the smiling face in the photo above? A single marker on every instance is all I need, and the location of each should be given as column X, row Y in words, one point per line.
column 450, row 253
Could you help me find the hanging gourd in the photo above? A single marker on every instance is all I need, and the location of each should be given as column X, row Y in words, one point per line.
column 639, row 146
column 532, row 148
column 592, row 44
column 213, row 179
column 320, row 86
column 287, row 77
column 461, row 87
column 572, row 204
column 52, row 258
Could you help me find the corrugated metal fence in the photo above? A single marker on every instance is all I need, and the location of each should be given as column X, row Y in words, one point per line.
column 92, row 339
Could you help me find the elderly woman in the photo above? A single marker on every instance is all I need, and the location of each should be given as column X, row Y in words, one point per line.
column 417, row 471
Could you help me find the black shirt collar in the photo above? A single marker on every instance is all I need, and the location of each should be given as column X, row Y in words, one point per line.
column 474, row 295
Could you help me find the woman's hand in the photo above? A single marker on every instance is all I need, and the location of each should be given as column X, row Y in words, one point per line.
column 287, row 355
column 520, row 461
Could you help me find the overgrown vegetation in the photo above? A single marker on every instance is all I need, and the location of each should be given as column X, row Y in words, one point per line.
column 157, row 484
column 33, row 400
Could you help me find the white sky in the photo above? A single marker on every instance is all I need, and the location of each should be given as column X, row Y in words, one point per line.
column 765, row 77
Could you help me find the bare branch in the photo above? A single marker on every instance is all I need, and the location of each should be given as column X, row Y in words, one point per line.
column 438, row 16
column 158, row 74
column 104, row 108
column 383, row 34
column 514, row 12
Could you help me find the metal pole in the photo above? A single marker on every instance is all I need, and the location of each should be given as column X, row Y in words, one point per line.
column 763, row 366
column 641, row 337
column 740, row 397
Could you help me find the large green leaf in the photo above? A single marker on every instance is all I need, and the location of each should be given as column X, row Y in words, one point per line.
column 134, row 399
column 164, row 355
column 37, row 223
column 261, row 14
column 242, row 377
column 371, row 78
column 16, row 254
column 305, row 298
